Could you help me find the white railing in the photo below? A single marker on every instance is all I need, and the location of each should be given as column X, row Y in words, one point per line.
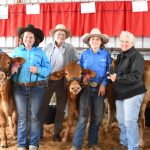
column 140, row 42
column 145, row 51
column 48, row 1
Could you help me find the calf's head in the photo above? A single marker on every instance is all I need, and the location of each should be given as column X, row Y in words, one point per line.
column 73, row 74
column 5, row 65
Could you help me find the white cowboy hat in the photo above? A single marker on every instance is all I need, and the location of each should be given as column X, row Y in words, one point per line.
column 95, row 32
column 60, row 27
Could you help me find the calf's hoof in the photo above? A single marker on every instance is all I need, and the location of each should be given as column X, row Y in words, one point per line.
column 3, row 146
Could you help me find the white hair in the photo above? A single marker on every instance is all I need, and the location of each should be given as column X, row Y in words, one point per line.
column 129, row 35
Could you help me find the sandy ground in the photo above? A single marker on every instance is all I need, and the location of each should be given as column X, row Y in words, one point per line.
column 107, row 140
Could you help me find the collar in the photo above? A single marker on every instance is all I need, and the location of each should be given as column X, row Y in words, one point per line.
column 54, row 45
column 99, row 50
column 129, row 51
column 22, row 47
column 63, row 47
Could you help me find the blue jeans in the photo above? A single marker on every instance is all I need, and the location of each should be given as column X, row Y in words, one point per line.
column 89, row 102
column 127, row 116
column 28, row 101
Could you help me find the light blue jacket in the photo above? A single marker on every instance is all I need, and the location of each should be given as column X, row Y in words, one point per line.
column 34, row 57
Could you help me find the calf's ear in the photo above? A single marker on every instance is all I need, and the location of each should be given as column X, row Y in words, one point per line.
column 19, row 60
column 57, row 75
column 88, row 71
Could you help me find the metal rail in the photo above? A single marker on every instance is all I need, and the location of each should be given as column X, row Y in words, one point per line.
column 144, row 51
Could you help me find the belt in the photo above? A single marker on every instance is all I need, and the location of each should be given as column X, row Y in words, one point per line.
column 94, row 84
column 38, row 83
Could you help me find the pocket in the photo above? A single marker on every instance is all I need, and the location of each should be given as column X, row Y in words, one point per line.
column 102, row 64
column 36, row 59
column 87, row 64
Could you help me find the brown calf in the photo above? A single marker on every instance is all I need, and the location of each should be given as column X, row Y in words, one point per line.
column 112, row 108
column 7, row 107
column 73, row 74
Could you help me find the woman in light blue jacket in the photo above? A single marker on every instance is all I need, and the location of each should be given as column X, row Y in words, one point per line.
column 29, row 82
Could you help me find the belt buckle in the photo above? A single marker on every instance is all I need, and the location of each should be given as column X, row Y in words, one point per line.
column 93, row 84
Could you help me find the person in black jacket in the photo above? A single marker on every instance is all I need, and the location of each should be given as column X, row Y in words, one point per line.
column 129, row 88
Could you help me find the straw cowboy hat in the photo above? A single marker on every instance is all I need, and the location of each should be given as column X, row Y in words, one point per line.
column 37, row 32
column 95, row 32
column 60, row 27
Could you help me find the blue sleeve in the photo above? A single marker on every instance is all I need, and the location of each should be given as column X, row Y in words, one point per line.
column 109, row 61
column 45, row 68
column 81, row 60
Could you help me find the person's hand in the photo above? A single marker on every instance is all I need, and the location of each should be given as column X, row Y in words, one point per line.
column 112, row 77
column 101, row 91
column 33, row 69
column 86, row 79
column 15, row 68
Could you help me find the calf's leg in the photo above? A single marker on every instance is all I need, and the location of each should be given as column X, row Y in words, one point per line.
column 142, row 117
column 69, row 124
column 111, row 114
column 3, row 124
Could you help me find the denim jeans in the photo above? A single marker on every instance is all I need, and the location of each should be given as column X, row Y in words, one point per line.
column 89, row 102
column 28, row 102
column 127, row 116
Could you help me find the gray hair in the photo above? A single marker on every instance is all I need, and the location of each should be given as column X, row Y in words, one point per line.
column 129, row 35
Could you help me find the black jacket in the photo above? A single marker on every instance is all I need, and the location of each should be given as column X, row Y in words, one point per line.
column 129, row 69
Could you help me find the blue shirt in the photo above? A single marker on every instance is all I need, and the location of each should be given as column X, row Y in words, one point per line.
column 34, row 57
column 98, row 62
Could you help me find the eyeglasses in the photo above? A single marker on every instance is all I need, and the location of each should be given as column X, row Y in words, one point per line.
column 60, row 34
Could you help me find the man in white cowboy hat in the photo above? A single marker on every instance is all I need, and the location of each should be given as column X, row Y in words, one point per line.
column 98, row 59
column 60, row 54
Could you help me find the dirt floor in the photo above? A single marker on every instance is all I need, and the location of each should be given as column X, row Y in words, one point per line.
column 106, row 141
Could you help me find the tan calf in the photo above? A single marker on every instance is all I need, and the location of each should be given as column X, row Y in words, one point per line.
column 8, row 113
column 73, row 74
